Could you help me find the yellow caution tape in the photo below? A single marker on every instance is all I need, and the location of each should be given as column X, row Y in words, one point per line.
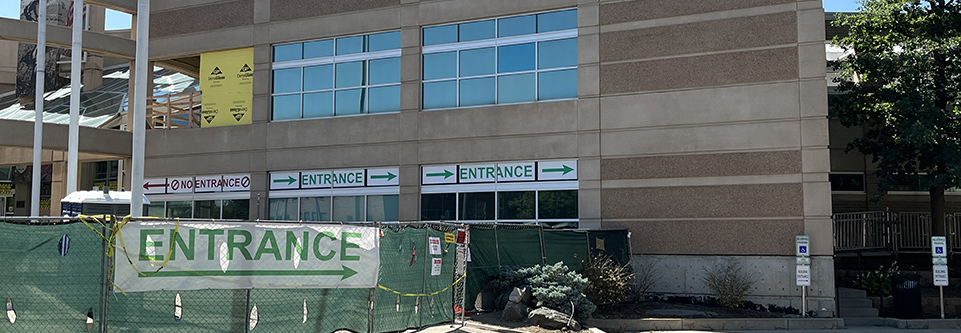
column 423, row 295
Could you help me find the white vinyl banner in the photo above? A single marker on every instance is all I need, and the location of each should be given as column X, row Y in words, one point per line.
column 245, row 255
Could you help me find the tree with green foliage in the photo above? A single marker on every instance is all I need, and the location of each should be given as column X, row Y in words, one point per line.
column 901, row 86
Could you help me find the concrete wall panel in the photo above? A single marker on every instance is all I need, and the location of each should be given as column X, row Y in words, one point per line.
column 333, row 131
column 700, row 37
column 201, row 18
column 706, row 165
column 713, row 105
column 760, row 200
column 722, row 137
column 520, row 119
column 512, row 148
column 626, row 11
column 352, row 23
column 214, row 140
column 766, row 65
column 297, row 9
column 714, row 237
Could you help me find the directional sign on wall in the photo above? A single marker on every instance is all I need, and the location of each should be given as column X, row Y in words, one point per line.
column 207, row 184
column 439, row 174
column 557, row 170
column 233, row 183
column 515, row 172
column 477, row 173
column 155, row 186
column 383, row 177
column 284, row 180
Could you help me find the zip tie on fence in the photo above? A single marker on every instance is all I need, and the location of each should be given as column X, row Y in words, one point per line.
column 424, row 295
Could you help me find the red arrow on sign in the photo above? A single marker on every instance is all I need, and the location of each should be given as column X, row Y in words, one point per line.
column 148, row 185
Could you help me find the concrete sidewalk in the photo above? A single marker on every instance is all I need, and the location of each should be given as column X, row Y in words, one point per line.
column 474, row 327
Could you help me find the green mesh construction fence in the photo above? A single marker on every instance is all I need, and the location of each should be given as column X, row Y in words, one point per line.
column 51, row 292
column 51, row 277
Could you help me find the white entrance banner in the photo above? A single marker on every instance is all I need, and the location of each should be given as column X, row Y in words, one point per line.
column 245, row 255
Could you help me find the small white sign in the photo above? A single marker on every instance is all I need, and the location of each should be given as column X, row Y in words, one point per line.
column 155, row 186
column 803, row 275
column 383, row 177
column 804, row 261
column 206, row 184
column 435, row 266
column 939, row 246
column 557, row 170
column 439, row 174
column 515, row 172
column 939, row 261
column 434, row 245
column 233, row 183
column 802, row 245
column 940, row 275
column 284, row 180
column 180, row 185
column 477, row 173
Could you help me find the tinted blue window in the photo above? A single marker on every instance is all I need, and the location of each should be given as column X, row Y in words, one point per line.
column 287, row 80
column 557, row 53
column 287, row 107
column 440, row 35
column 476, row 30
column 515, row 88
column 348, row 45
column 440, row 65
column 383, row 41
column 349, row 102
column 350, row 74
column 514, row 26
column 440, row 94
column 477, row 62
column 385, row 71
column 288, row 52
column 319, row 49
column 384, row 99
column 557, row 84
column 319, row 104
column 515, row 58
column 318, row 77
column 477, row 91
column 557, row 21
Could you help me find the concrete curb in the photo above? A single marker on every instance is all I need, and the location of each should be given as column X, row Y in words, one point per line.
column 652, row 324
column 915, row 324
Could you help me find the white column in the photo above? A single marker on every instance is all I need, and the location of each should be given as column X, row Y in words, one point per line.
column 38, row 106
column 73, row 135
column 139, row 118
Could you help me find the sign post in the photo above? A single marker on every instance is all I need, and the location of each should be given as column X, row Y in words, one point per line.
column 802, row 246
column 939, row 257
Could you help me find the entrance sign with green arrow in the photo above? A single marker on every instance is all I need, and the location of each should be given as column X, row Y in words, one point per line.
column 245, row 255
column 557, row 170
column 439, row 174
column 383, row 177
column 284, row 180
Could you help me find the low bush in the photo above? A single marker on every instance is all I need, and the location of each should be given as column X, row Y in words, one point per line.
column 610, row 282
column 552, row 286
column 729, row 283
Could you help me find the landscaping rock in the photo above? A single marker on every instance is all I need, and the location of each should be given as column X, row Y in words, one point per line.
column 515, row 312
column 521, row 295
column 502, row 300
column 551, row 319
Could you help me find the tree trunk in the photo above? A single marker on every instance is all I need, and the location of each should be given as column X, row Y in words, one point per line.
column 937, row 210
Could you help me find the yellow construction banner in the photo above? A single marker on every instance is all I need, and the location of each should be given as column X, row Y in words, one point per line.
column 226, row 80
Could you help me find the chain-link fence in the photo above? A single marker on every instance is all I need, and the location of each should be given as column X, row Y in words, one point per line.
column 56, row 277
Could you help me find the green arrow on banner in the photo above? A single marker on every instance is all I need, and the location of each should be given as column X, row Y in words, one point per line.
column 446, row 174
column 389, row 176
column 345, row 273
column 565, row 170
column 289, row 180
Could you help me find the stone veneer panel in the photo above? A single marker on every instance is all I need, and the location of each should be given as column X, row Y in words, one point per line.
column 716, row 201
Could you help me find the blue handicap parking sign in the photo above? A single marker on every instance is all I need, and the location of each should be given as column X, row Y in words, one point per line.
column 938, row 250
column 803, row 249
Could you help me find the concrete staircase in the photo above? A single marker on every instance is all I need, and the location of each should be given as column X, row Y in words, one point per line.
column 856, row 308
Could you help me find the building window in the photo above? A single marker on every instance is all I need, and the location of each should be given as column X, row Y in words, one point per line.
column 550, row 207
column 236, row 209
column 847, row 182
column 354, row 208
column 337, row 77
column 499, row 61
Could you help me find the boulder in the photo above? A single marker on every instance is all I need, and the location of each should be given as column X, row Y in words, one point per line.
column 551, row 319
column 515, row 312
column 502, row 300
column 521, row 295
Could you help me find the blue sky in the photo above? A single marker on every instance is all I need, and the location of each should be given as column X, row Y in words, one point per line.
column 118, row 20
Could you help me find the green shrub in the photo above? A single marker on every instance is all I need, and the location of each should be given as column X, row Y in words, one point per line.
column 610, row 282
column 729, row 283
column 552, row 286
column 877, row 282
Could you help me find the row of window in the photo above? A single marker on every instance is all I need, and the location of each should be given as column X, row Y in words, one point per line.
column 497, row 61
column 201, row 209
column 337, row 208
column 500, row 206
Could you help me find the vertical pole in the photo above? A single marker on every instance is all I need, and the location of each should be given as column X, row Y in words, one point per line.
column 941, row 290
column 38, row 106
column 804, row 302
column 140, row 109
column 76, row 50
